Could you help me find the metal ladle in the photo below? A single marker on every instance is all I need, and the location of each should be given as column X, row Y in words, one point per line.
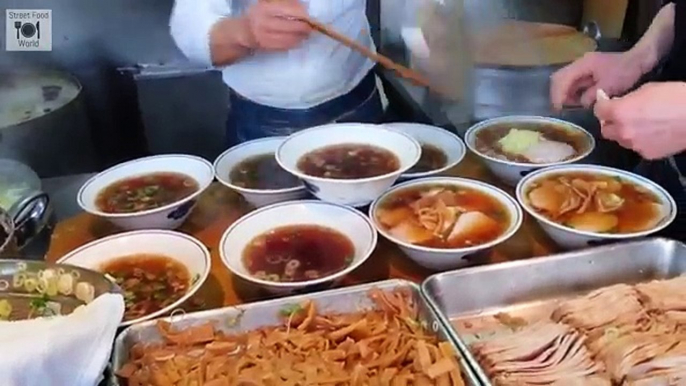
column 28, row 227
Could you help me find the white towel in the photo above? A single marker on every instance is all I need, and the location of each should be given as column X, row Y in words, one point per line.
column 71, row 350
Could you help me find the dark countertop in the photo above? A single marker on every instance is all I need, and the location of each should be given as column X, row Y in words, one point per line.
column 63, row 191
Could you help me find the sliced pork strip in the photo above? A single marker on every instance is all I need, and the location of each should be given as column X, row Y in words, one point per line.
column 615, row 305
column 656, row 366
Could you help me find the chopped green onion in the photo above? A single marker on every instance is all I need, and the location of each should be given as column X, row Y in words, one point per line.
column 290, row 310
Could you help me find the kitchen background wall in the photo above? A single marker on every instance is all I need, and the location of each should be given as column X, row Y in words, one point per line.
column 101, row 43
column 141, row 95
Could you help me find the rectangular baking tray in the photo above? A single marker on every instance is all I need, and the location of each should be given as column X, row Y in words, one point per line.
column 470, row 297
column 252, row 316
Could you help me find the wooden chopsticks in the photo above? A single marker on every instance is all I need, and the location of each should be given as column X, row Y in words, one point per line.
column 407, row 73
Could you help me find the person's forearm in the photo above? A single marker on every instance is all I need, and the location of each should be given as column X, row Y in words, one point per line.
column 657, row 41
column 230, row 41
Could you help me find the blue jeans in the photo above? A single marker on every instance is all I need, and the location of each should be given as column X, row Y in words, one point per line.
column 249, row 120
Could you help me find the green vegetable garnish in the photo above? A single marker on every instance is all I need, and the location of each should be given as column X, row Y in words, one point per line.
column 39, row 306
column 290, row 310
column 40, row 303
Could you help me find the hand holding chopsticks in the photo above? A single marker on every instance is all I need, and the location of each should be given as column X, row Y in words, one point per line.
column 301, row 16
column 403, row 71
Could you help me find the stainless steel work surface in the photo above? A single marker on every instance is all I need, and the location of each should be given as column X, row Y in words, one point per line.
column 252, row 316
column 473, row 300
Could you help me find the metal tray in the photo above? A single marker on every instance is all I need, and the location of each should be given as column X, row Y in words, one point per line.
column 470, row 297
column 251, row 316
column 20, row 299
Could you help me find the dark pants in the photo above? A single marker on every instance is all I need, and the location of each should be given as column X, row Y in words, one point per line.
column 249, row 120
column 662, row 173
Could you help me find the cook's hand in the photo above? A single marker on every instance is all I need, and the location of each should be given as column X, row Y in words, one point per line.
column 274, row 25
column 649, row 120
column 577, row 83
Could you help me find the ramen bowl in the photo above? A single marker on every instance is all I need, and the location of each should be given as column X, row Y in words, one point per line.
column 346, row 221
column 444, row 257
column 351, row 192
column 512, row 171
column 169, row 216
column 442, row 140
column 182, row 249
column 569, row 237
column 232, row 158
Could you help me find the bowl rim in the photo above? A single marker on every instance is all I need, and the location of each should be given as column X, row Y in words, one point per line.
column 298, row 284
column 227, row 182
column 97, row 212
column 369, row 126
column 449, row 134
column 516, row 222
column 635, row 178
column 192, row 289
column 471, row 132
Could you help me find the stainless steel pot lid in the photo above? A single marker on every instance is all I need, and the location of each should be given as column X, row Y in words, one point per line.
column 25, row 96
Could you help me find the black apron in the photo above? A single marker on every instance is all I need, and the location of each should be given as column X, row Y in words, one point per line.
column 667, row 172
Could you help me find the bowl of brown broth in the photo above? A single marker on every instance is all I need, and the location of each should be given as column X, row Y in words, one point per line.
column 441, row 149
column 348, row 163
column 439, row 221
column 251, row 170
column 583, row 205
column 155, row 192
column 297, row 246
column 156, row 270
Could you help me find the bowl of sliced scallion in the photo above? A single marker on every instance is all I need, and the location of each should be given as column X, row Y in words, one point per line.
column 36, row 289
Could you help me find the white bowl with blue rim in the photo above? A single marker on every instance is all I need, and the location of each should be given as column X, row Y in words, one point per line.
column 449, row 143
column 348, row 221
column 442, row 259
column 511, row 172
column 169, row 216
column 229, row 159
column 183, row 249
column 570, row 238
column 351, row 192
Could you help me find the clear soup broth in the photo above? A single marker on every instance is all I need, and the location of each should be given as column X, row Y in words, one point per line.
column 298, row 253
column 262, row 172
column 348, row 161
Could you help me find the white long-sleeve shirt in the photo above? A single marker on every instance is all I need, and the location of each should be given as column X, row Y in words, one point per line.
column 319, row 70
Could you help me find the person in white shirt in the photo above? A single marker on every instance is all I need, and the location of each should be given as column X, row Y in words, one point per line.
column 282, row 76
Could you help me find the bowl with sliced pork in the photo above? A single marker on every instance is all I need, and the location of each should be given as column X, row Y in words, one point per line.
column 439, row 221
column 584, row 205
column 514, row 146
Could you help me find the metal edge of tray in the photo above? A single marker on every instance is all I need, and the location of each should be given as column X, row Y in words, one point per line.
column 353, row 297
column 482, row 377
column 466, row 355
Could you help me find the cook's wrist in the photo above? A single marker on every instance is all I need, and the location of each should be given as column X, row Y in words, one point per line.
column 645, row 57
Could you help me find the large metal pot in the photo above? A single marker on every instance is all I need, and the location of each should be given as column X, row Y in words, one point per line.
column 43, row 123
column 515, row 90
